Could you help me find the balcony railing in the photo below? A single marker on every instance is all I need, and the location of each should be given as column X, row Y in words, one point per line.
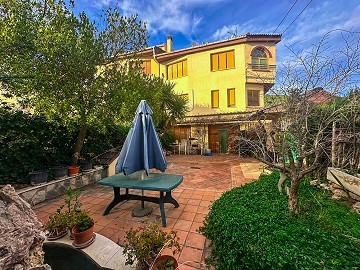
column 256, row 73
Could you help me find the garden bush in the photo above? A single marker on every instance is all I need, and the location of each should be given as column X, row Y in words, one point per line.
column 29, row 143
column 250, row 227
column 101, row 139
column 166, row 139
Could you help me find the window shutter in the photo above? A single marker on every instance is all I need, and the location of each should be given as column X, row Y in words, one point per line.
column 214, row 62
column 231, row 97
column 170, row 74
column 180, row 69
column 230, row 59
column 222, row 61
column 185, row 72
column 215, row 98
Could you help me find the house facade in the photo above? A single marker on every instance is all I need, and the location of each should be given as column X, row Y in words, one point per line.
column 223, row 82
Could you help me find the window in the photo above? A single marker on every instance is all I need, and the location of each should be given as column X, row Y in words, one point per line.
column 146, row 66
column 253, row 98
column 259, row 59
column 223, row 60
column 231, row 97
column 177, row 70
column 215, row 99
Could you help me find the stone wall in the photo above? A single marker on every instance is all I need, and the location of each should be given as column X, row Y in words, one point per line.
column 55, row 188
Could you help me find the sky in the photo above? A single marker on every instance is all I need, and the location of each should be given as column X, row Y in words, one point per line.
column 302, row 23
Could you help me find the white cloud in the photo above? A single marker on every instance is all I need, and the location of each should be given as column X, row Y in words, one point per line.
column 163, row 15
column 251, row 26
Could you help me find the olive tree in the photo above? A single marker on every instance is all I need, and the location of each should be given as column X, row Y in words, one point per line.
column 309, row 87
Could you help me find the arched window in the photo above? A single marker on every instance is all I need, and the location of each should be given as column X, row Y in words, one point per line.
column 259, row 59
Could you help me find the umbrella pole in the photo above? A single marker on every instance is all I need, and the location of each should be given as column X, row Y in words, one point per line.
column 142, row 210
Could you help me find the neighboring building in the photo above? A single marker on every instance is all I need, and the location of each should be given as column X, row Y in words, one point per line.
column 223, row 81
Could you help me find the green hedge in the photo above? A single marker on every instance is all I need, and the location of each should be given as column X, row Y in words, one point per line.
column 250, row 228
column 29, row 143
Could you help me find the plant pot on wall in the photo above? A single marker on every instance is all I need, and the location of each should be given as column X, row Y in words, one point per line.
column 60, row 172
column 73, row 170
column 38, row 177
column 86, row 165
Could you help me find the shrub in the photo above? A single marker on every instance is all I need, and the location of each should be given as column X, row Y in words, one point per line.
column 250, row 228
column 166, row 139
column 144, row 244
column 29, row 143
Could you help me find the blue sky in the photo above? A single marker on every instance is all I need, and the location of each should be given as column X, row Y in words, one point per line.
column 201, row 21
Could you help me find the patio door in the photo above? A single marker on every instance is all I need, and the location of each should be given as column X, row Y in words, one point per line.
column 223, row 140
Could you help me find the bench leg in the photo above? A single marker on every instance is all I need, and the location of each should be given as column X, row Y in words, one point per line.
column 117, row 199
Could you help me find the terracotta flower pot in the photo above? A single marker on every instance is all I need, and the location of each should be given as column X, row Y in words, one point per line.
column 73, row 170
column 83, row 239
column 164, row 262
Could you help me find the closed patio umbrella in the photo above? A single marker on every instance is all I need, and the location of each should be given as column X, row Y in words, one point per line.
column 142, row 148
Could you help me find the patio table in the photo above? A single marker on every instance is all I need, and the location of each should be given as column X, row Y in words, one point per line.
column 164, row 183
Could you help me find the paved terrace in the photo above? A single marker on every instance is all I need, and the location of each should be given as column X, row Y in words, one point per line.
column 205, row 179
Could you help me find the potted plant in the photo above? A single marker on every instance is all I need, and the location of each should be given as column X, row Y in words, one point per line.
column 38, row 177
column 164, row 262
column 57, row 226
column 60, row 172
column 86, row 165
column 71, row 206
column 82, row 229
column 73, row 170
column 144, row 245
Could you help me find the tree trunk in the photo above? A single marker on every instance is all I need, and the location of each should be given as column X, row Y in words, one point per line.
column 79, row 144
column 294, row 194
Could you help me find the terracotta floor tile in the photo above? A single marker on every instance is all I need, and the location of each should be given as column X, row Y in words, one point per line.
column 104, row 221
column 193, row 202
column 98, row 228
column 205, row 203
column 108, row 232
column 203, row 210
column 186, row 267
column 196, row 196
column 190, row 256
column 191, row 208
column 182, row 235
column 195, row 226
column 209, row 198
column 184, row 225
column 119, row 237
column 170, row 222
column 187, row 216
column 186, row 195
column 174, row 213
column 195, row 240
column 199, row 217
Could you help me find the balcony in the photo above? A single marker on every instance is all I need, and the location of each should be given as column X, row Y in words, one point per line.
column 264, row 74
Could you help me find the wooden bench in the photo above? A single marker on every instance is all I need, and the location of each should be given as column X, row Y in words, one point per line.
column 164, row 183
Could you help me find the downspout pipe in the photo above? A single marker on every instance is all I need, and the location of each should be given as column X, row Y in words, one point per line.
column 154, row 56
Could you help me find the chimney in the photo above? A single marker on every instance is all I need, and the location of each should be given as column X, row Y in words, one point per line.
column 169, row 44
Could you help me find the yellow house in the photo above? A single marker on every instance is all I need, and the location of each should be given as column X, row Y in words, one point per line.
column 223, row 81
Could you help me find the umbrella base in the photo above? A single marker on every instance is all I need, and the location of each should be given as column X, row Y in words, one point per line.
column 142, row 212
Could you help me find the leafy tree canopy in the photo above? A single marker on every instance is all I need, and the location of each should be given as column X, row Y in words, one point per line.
column 70, row 68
